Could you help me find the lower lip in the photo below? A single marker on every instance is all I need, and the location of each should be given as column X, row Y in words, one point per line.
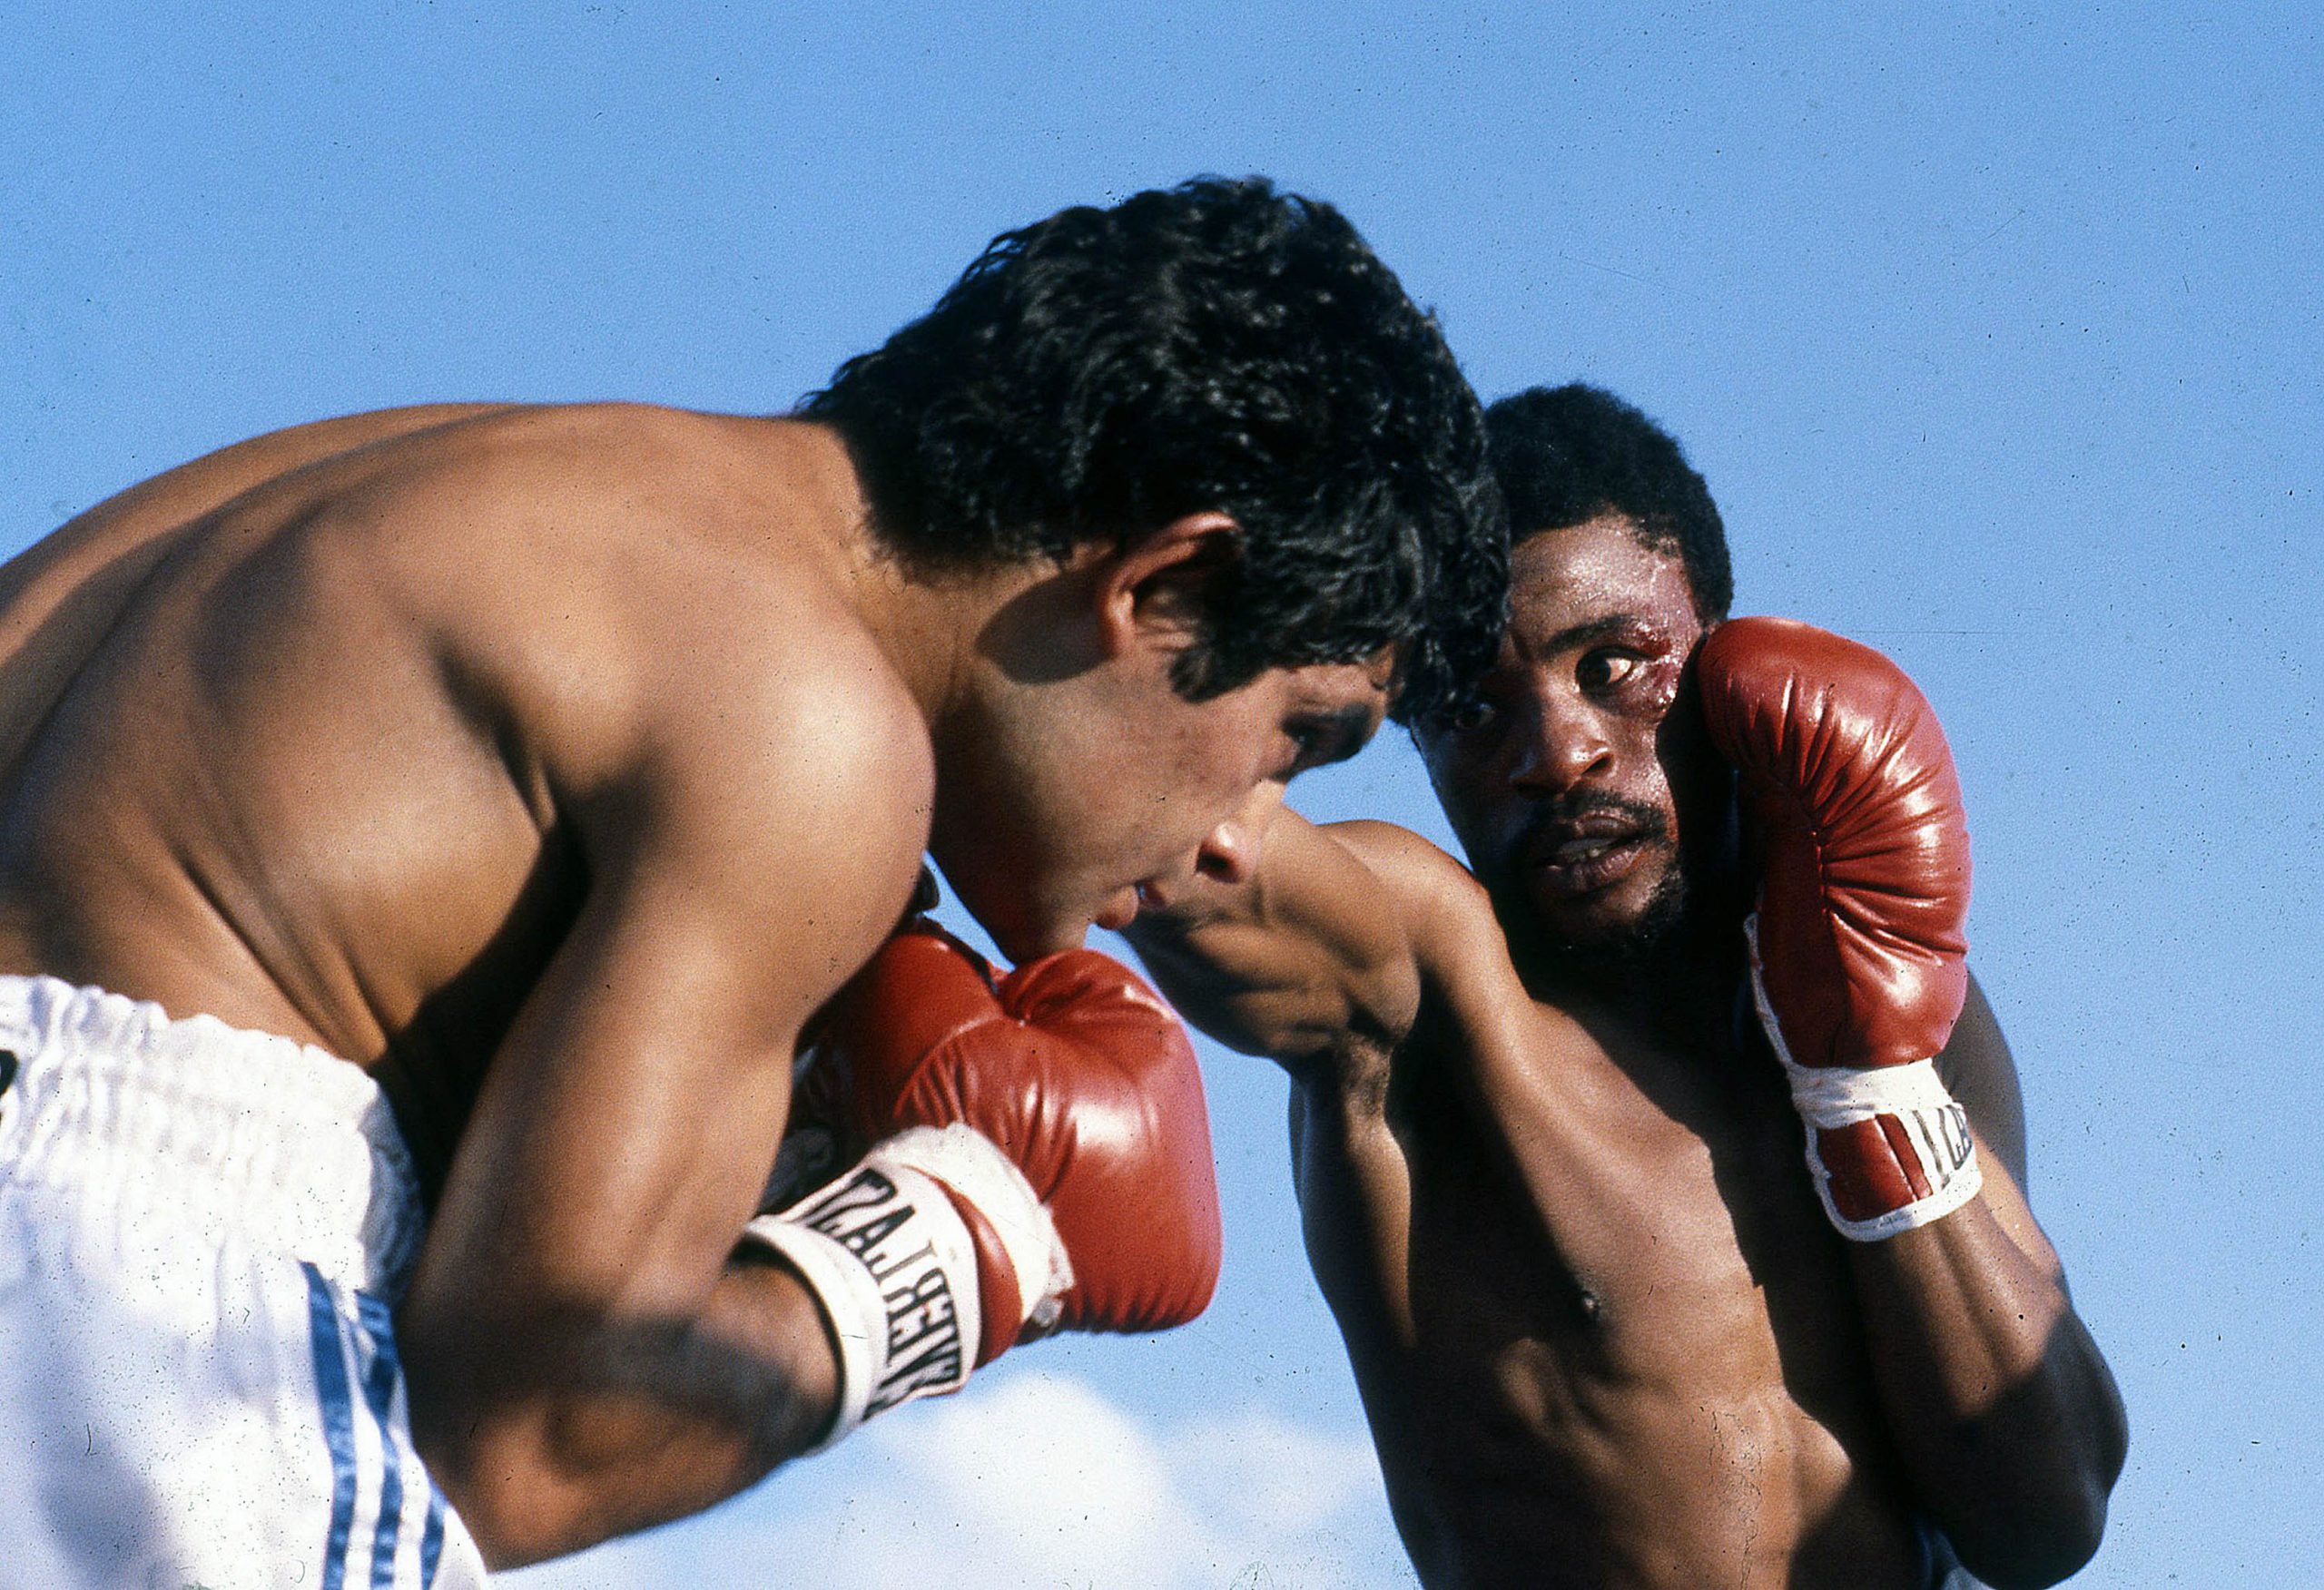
column 1118, row 913
column 1572, row 879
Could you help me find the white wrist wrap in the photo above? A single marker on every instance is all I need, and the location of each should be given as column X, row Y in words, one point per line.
column 891, row 1261
column 1887, row 1146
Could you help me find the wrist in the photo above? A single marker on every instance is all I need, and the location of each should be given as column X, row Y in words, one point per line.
column 791, row 1327
column 912, row 1300
column 1888, row 1147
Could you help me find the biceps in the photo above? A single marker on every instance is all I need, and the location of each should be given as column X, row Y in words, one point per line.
column 1260, row 990
column 611, row 1140
column 747, row 845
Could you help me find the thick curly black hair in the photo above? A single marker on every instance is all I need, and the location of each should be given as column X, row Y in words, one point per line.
column 1216, row 346
column 1566, row 454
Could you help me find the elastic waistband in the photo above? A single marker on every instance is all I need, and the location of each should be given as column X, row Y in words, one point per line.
column 205, row 1128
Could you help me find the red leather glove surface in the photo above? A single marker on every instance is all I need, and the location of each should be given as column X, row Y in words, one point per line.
column 1081, row 1074
column 1853, row 811
column 1849, row 793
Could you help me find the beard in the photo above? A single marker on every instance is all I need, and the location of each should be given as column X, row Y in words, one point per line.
column 1623, row 953
column 1628, row 954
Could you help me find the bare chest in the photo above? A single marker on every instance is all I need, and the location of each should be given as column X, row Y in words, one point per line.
column 1621, row 1244
column 1633, row 1337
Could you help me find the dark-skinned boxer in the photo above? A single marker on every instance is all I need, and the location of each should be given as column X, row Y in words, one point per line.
column 1662, row 1260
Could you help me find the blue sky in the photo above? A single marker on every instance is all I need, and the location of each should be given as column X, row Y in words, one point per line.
column 1995, row 328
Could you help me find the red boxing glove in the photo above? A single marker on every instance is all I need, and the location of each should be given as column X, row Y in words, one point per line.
column 1858, row 956
column 1057, row 1113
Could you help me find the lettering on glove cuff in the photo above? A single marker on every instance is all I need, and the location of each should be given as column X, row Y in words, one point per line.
column 1889, row 1146
column 1884, row 1170
column 889, row 1257
column 892, row 1262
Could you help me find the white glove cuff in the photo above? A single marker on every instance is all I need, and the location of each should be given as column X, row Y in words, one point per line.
column 1890, row 1152
column 892, row 1264
column 969, row 1163
column 891, row 1261
column 1888, row 1147
column 1836, row 1095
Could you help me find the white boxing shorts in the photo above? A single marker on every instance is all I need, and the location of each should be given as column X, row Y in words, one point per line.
column 202, row 1233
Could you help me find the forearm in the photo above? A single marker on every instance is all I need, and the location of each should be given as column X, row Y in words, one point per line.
column 1292, row 961
column 2001, row 1406
column 1230, row 980
column 574, row 1426
column 2001, row 1409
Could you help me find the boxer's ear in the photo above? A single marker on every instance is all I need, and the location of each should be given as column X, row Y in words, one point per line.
column 1156, row 590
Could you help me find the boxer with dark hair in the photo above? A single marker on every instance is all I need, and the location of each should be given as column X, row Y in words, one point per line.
column 1549, row 1115
column 429, row 834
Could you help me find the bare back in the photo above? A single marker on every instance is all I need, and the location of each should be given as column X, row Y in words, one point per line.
column 295, row 735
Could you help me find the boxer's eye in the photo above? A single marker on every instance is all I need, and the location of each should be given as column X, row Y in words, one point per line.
column 1471, row 716
column 1321, row 737
column 1605, row 668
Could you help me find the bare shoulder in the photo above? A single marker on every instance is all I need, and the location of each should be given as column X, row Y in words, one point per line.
column 1403, row 859
column 1386, row 846
column 625, row 571
column 644, row 583
column 1446, row 913
column 640, row 606
column 1478, row 1016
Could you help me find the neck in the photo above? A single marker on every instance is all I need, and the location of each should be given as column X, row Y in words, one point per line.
column 925, row 624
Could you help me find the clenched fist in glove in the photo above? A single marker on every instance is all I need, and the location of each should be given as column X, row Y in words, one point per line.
column 1038, row 1153
column 1850, row 801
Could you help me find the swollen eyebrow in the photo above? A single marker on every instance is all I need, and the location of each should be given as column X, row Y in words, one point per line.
column 1617, row 626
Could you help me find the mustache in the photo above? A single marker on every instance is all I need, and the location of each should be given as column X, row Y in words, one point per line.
column 1645, row 821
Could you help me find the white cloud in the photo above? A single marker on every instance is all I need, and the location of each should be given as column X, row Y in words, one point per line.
column 1262, row 1476
column 1039, row 1483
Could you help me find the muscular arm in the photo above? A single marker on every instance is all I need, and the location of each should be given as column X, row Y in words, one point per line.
column 1322, row 962
column 1310, row 963
column 2001, row 1406
column 1306, row 956
column 589, row 1354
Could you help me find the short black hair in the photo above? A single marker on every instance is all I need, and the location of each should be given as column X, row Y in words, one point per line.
column 1564, row 456
column 1218, row 346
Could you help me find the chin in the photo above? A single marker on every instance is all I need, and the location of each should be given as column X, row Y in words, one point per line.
column 1631, row 922
column 1606, row 922
column 1578, row 933
column 1029, row 935
column 1051, row 941
column 1005, row 921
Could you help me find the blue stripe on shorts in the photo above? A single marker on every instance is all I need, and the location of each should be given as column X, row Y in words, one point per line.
column 338, row 1425
column 380, row 1390
column 370, row 1338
